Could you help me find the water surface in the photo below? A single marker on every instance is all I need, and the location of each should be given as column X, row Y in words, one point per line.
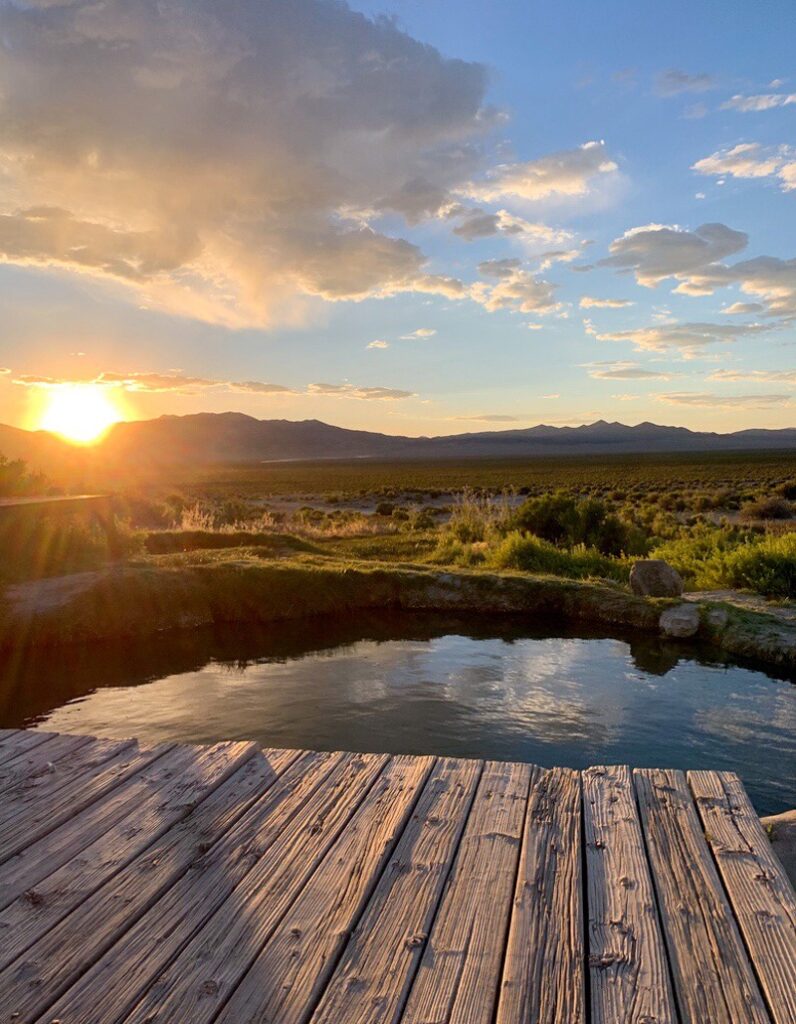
column 410, row 684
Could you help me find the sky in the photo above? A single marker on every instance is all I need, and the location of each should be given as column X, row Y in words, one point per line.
column 418, row 217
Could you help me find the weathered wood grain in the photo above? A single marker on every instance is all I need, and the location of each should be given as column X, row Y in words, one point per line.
column 713, row 980
column 378, row 965
column 62, row 954
column 459, row 974
column 37, row 815
column 543, row 975
column 151, row 800
column 41, row 761
column 759, row 891
column 39, row 909
column 628, row 969
column 16, row 741
column 147, row 948
column 289, row 975
column 200, row 980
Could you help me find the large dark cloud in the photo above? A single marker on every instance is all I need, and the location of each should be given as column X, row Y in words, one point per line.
column 228, row 159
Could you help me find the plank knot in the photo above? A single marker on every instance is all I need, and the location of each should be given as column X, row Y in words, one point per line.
column 602, row 961
column 415, row 940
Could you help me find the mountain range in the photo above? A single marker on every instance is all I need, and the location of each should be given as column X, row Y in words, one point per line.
column 207, row 438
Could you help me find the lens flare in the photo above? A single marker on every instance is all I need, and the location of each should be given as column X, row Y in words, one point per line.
column 81, row 413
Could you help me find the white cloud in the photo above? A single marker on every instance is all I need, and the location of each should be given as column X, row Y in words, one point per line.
column 213, row 158
column 754, row 104
column 708, row 400
column 519, row 291
column 657, row 251
column 499, row 268
column 477, row 223
column 616, row 369
column 768, row 279
column 180, row 383
column 751, row 160
column 378, row 343
column 760, row 376
column 363, row 393
column 688, row 338
column 420, row 333
column 693, row 258
column 673, row 82
column 589, row 302
column 569, row 172
column 742, row 308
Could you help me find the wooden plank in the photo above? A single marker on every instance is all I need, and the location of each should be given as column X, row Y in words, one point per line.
column 152, row 800
column 543, row 975
column 37, row 978
column 284, row 982
column 459, row 975
column 627, row 958
column 91, row 773
column 39, row 909
column 42, row 762
column 713, row 980
column 378, row 965
column 759, row 891
column 215, row 929
column 17, row 741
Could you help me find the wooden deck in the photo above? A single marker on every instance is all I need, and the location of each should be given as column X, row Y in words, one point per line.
column 184, row 885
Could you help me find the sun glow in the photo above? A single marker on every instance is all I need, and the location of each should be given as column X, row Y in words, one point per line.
column 79, row 412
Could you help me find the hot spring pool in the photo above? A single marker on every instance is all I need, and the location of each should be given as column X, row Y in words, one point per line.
column 405, row 684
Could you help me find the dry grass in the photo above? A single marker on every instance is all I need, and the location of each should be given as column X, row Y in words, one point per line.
column 200, row 517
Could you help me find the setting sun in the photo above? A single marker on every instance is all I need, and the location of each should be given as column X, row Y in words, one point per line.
column 79, row 412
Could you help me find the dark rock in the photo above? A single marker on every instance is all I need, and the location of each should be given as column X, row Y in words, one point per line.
column 652, row 577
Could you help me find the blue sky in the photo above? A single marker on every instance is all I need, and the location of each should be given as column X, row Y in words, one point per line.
column 209, row 207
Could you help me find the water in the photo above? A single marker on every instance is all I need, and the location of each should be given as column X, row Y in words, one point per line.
column 430, row 684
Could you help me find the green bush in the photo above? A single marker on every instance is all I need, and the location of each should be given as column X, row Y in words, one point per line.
column 767, row 565
column 565, row 521
column 530, row 554
column 718, row 557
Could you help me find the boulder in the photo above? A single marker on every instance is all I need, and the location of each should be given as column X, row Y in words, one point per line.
column 680, row 621
column 652, row 577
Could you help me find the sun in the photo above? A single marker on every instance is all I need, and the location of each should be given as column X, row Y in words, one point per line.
column 79, row 412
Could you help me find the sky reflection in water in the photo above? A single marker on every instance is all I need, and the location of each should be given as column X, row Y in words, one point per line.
column 396, row 686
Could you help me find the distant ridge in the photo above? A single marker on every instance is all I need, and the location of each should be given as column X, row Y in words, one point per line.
column 206, row 438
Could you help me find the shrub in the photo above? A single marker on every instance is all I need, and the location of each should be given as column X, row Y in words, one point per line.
column 716, row 557
column 767, row 508
column 530, row 554
column 567, row 522
column 767, row 565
